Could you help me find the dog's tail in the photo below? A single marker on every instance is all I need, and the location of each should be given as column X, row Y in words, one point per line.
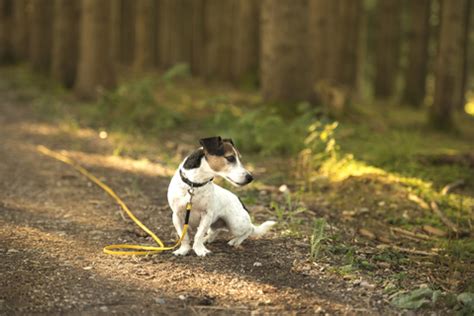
column 261, row 229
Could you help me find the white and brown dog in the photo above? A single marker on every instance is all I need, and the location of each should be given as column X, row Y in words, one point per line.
column 213, row 208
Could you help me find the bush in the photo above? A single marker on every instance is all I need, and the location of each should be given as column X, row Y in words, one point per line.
column 264, row 130
column 132, row 106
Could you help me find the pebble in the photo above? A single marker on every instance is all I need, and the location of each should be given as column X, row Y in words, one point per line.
column 257, row 264
column 283, row 188
column 160, row 300
column 182, row 297
column 367, row 285
column 87, row 268
column 12, row 250
column 104, row 309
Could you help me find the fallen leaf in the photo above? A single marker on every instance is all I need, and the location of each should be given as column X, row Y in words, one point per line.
column 434, row 231
column 366, row 233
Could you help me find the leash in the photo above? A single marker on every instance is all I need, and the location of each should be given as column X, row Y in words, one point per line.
column 124, row 249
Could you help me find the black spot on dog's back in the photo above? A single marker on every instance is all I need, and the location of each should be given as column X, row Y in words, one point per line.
column 194, row 160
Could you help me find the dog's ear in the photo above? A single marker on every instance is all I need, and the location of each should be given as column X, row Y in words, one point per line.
column 213, row 145
column 228, row 140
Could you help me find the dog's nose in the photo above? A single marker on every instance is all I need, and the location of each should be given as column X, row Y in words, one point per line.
column 248, row 177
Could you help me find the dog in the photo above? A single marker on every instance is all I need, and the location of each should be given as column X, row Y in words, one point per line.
column 214, row 209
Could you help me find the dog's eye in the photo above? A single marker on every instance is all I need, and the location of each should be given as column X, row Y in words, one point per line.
column 230, row 159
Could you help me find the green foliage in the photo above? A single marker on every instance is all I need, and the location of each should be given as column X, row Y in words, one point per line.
column 414, row 299
column 289, row 215
column 133, row 107
column 180, row 70
column 316, row 237
column 466, row 303
column 319, row 147
column 264, row 129
column 321, row 143
column 425, row 297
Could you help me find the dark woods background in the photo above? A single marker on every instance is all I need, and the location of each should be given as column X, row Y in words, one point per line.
column 327, row 52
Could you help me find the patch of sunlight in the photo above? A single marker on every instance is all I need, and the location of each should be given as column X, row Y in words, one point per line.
column 66, row 215
column 28, row 238
column 142, row 166
column 469, row 107
column 53, row 130
column 341, row 169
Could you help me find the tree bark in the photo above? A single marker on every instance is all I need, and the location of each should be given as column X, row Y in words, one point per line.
column 65, row 41
column 219, row 30
column 197, row 38
column 334, row 39
column 95, row 69
column 246, row 40
column 387, row 47
column 319, row 38
column 285, row 75
column 174, row 32
column 418, row 36
column 127, row 31
column 461, row 99
column 449, row 64
column 41, row 30
column 350, row 13
column 144, row 35
column 115, row 32
column 21, row 22
column 6, row 34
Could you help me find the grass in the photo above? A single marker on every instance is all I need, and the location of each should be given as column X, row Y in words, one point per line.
column 317, row 237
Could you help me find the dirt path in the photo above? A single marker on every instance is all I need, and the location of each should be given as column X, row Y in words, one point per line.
column 53, row 225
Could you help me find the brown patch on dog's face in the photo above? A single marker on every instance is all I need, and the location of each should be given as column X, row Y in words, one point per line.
column 222, row 162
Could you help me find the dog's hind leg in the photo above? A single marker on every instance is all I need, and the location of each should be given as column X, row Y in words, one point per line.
column 236, row 241
column 212, row 234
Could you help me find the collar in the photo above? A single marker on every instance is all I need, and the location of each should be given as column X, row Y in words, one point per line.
column 190, row 183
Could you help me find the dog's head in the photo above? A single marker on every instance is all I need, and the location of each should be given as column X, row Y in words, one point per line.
column 224, row 160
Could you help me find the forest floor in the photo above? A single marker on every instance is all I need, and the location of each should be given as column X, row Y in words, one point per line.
column 381, row 250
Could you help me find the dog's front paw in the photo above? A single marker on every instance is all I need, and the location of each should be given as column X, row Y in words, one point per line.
column 182, row 251
column 200, row 250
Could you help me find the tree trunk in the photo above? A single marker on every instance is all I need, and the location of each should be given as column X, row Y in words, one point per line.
column 246, row 40
column 127, row 31
column 219, row 30
column 387, row 47
column 95, row 69
column 461, row 99
column 418, row 36
column 285, row 75
column 449, row 64
column 175, row 33
column 197, row 38
column 334, row 40
column 65, row 41
column 21, row 22
column 6, row 22
column 41, row 30
column 144, row 35
column 319, row 38
column 350, row 12
column 115, row 32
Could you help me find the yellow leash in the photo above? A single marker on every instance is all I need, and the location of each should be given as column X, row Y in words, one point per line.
column 122, row 249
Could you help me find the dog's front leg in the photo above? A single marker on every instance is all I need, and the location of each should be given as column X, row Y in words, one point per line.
column 198, row 245
column 185, row 243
